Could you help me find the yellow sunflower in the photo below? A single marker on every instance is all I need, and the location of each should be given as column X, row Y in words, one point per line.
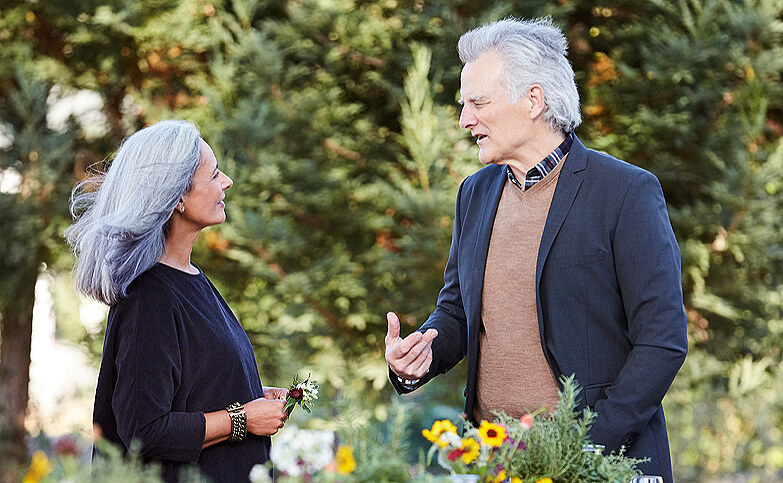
column 500, row 477
column 471, row 450
column 438, row 428
column 39, row 467
column 516, row 479
column 344, row 459
column 544, row 480
column 492, row 434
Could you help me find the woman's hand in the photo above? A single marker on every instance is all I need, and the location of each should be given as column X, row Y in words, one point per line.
column 265, row 416
column 275, row 393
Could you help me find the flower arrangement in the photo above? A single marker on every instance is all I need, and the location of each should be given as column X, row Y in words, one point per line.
column 298, row 452
column 540, row 447
column 301, row 393
column 305, row 455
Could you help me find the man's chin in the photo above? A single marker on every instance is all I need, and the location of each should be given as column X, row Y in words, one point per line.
column 485, row 160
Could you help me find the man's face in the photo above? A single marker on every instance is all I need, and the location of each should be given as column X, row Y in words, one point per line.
column 501, row 129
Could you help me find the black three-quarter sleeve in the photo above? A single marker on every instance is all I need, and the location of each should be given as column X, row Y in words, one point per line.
column 149, row 372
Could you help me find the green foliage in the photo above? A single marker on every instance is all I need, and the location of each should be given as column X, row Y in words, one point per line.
column 108, row 464
column 337, row 122
column 546, row 445
column 381, row 452
column 38, row 158
column 729, row 415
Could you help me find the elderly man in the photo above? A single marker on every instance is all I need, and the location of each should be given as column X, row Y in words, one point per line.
column 563, row 259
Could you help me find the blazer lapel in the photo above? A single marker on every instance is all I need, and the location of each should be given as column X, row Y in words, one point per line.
column 479, row 259
column 571, row 177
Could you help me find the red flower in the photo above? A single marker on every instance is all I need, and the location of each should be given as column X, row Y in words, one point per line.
column 296, row 393
column 454, row 454
column 67, row 446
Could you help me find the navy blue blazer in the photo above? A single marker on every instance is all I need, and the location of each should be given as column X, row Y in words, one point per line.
column 608, row 295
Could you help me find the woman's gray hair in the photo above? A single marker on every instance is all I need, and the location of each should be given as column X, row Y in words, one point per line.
column 534, row 52
column 122, row 216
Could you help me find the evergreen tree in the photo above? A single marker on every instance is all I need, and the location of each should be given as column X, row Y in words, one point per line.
column 337, row 122
column 34, row 206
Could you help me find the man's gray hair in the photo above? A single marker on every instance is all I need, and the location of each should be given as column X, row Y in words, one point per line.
column 122, row 216
column 534, row 52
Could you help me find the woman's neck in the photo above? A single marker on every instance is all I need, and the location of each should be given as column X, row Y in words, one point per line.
column 178, row 249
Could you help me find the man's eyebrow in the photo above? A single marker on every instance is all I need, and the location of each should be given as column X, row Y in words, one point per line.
column 479, row 98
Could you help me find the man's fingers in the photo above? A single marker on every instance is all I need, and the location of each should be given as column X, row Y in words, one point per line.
column 417, row 342
column 430, row 335
column 412, row 357
column 423, row 365
column 417, row 366
column 393, row 330
column 409, row 343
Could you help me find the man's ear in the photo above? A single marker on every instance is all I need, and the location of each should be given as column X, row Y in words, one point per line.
column 537, row 101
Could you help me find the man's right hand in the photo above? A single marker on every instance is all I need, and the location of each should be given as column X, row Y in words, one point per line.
column 409, row 358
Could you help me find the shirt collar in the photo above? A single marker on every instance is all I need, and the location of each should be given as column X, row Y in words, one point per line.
column 537, row 172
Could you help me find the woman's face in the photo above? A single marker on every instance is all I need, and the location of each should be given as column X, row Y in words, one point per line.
column 204, row 205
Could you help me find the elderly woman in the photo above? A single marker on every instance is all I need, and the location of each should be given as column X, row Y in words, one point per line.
column 178, row 374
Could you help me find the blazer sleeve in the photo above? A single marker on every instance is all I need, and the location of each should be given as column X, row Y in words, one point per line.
column 450, row 346
column 149, row 372
column 647, row 264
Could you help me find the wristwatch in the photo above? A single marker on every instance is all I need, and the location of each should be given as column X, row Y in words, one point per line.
column 408, row 383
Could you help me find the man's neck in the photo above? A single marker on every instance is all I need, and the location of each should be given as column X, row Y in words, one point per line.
column 541, row 146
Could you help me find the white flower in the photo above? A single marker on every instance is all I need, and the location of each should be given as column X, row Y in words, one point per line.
column 260, row 474
column 451, row 438
column 309, row 390
column 299, row 451
column 484, row 454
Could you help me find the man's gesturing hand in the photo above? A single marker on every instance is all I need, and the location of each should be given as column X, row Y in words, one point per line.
column 409, row 358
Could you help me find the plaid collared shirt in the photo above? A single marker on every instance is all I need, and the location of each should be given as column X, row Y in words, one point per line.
column 537, row 172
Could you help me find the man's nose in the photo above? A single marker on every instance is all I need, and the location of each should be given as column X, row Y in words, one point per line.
column 466, row 118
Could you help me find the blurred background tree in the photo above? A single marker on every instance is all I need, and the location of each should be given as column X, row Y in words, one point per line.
column 338, row 123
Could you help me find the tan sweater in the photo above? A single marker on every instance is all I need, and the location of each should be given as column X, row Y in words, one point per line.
column 513, row 375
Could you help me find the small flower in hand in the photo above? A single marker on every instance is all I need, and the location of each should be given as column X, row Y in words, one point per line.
column 296, row 393
column 301, row 393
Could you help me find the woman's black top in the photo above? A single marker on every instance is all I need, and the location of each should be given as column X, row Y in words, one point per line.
column 173, row 351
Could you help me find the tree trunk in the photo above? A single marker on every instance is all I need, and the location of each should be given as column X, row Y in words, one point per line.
column 16, row 332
